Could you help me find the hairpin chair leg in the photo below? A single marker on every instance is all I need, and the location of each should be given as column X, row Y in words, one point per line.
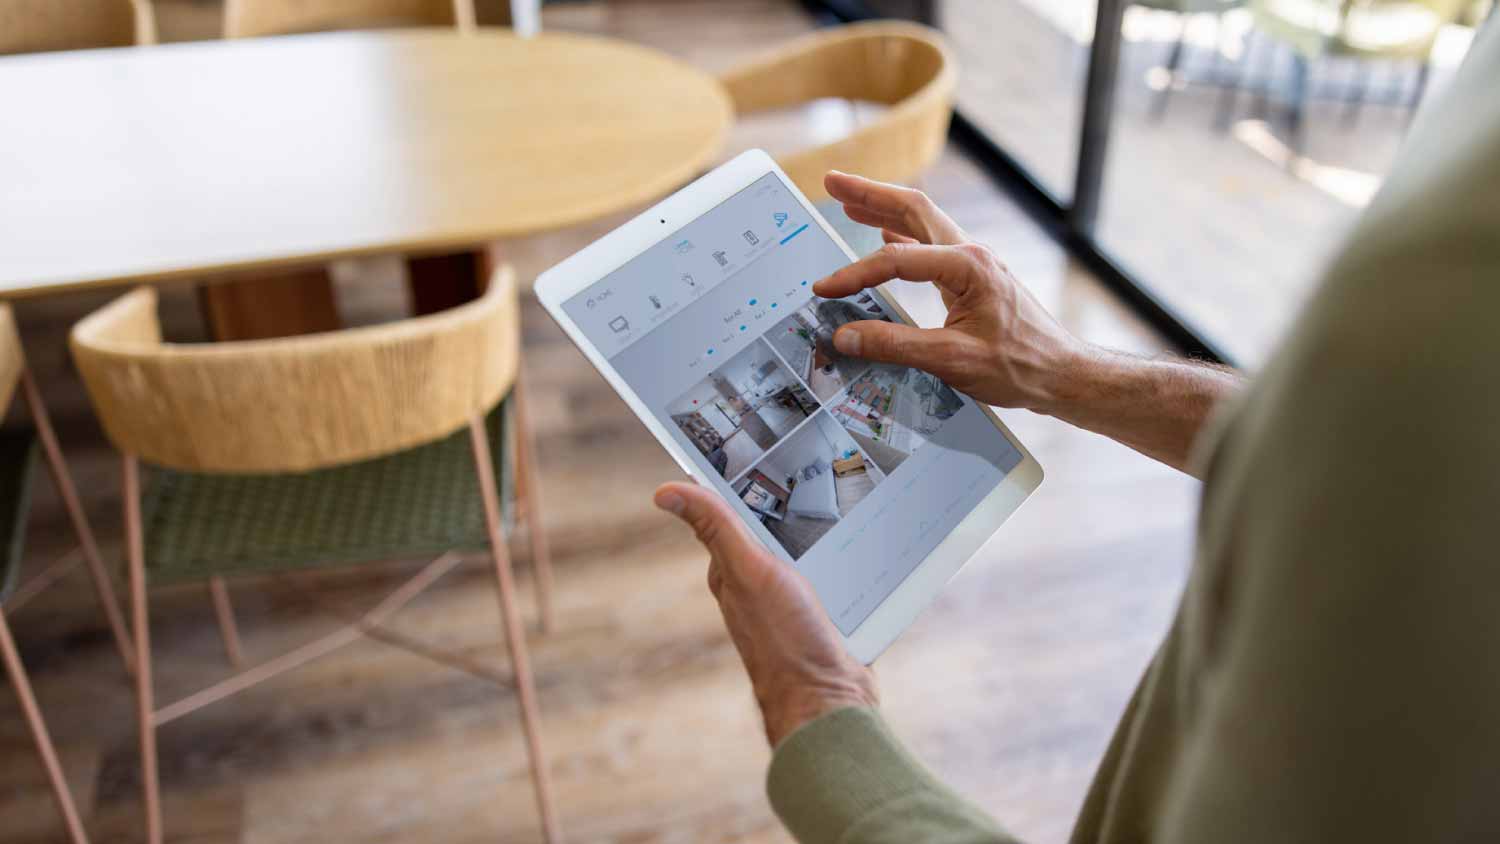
column 1173, row 66
column 144, row 695
column 69, row 494
column 531, row 492
column 38, row 728
column 515, row 633
column 224, row 610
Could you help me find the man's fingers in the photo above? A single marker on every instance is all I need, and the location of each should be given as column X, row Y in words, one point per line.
column 717, row 527
column 901, row 209
column 866, row 217
column 715, row 579
column 891, row 237
column 928, row 349
column 952, row 268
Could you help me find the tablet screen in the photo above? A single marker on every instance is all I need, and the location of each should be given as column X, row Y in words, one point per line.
column 851, row 471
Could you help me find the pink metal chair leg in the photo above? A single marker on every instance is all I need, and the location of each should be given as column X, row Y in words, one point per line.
column 228, row 630
column 69, row 494
column 38, row 728
column 515, row 633
column 144, row 694
column 531, row 492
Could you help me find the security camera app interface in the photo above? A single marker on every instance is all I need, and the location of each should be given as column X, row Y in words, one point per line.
column 852, row 471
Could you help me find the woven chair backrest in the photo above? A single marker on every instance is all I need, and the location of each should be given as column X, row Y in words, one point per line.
column 11, row 360
column 298, row 403
column 903, row 66
column 254, row 18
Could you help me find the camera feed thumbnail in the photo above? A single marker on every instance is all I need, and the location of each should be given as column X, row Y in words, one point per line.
column 805, row 340
column 892, row 411
column 805, row 485
column 741, row 410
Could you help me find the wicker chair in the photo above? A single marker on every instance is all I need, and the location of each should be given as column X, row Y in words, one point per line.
column 384, row 442
column 254, row 18
column 17, row 463
column 902, row 66
column 36, row 26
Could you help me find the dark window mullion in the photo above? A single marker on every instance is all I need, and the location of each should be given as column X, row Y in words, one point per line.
column 1098, row 110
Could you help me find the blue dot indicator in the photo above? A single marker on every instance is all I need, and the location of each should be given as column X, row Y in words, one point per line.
column 710, row 351
column 804, row 284
column 742, row 328
column 753, row 301
column 773, row 306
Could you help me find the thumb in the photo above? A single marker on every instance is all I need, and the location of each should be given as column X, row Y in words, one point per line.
column 930, row 349
column 710, row 517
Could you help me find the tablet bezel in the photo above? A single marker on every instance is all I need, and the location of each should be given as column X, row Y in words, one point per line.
column 611, row 252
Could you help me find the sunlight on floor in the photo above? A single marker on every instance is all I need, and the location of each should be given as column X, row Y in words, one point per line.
column 1351, row 187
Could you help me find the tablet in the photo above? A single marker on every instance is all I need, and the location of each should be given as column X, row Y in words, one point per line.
column 876, row 482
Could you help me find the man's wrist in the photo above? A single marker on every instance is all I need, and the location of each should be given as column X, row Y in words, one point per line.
column 791, row 710
column 1068, row 381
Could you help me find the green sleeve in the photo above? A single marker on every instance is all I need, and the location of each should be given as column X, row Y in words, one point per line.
column 843, row 778
column 1348, row 689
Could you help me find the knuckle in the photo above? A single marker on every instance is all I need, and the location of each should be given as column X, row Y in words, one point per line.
column 915, row 205
column 707, row 528
column 890, row 256
column 890, row 343
column 977, row 252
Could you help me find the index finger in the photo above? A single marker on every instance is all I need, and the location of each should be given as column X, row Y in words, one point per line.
column 903, row 210
column 951, row 268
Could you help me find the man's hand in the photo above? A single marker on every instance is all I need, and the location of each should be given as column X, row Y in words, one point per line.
column 999, row 344
column 792, row 652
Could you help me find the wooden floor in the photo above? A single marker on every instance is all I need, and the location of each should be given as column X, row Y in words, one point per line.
column 1009, row 686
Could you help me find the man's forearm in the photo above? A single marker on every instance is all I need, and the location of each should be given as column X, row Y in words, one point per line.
column 1155, row 406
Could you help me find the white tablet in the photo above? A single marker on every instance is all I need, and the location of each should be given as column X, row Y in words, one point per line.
column 876, row 482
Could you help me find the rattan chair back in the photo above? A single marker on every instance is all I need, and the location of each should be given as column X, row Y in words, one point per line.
column 903, row 66
column 299, row 403
column 11, row 360
column 36, row 26
column 253, row 18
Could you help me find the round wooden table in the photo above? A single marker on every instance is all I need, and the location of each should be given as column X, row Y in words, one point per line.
column 152, row 163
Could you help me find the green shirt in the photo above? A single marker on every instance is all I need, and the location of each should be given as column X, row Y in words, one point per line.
column 1333, row 671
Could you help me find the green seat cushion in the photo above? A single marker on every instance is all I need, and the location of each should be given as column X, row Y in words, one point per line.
column 17, row 465
column 419, row 502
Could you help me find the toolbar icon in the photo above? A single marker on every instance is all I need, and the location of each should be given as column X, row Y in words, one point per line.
column 655, row 301
column 687, row 278
column 719, row 256
column 619, row 324
column 683, row 247
column 750, row 237
column 780, row 218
